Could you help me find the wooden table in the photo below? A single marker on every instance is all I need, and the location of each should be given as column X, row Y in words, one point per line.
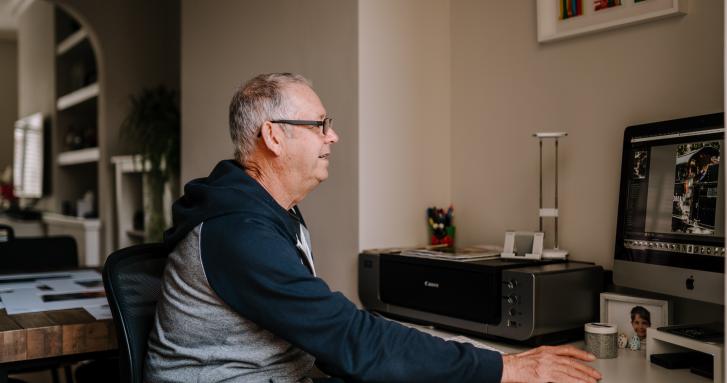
column 52, row 337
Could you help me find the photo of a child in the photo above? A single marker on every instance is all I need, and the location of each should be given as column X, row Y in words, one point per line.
column 633, row 316
column 640, row 321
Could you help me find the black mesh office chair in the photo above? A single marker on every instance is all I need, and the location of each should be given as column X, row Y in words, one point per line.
column 132, row 278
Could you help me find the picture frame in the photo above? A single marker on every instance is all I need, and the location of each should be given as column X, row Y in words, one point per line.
column 561, row 19
column 619, row 309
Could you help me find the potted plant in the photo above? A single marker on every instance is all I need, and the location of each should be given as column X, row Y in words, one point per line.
column 152, row 129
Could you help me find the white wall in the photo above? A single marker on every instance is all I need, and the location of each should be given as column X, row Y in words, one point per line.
column 9, row 97
column 404, row 119
column 506, row 86
column 436, row 101
column 225, row 43
column 36, row 50
column 36, row 73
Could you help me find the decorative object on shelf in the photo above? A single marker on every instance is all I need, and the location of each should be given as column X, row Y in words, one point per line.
column 68, row 209
column 86, row 206
column 633, row 315
column 623, row 340
column 555, row 252
column 77, row 75
column 79, row 137
column 152, row 129
column 441, row 228
column 561, row 19
column 7, row 195
column 635, row 343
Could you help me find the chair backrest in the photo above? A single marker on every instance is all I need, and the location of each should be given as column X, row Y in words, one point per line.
column 33, row 254
column 133, row 279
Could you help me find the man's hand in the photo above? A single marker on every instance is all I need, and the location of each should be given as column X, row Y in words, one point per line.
column 549, row 364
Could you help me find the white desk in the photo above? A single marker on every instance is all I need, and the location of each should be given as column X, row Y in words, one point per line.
column 632, row 366
column 628, row 367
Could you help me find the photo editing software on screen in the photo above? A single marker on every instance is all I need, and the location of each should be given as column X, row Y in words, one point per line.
column 676, row 193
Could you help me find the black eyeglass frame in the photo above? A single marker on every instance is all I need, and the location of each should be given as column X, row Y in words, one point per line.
column 326, row 124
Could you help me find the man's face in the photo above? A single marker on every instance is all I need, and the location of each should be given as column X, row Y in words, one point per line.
column 308, row 150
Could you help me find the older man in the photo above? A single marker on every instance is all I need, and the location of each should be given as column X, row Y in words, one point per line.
column 240, row 298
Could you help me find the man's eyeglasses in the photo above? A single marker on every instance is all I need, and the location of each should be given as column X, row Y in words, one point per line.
column 326, row 125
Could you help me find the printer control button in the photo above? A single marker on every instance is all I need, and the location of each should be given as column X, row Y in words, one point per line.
column 513, row 299
column 511, row 323
column 512, row 312
column 511, row 284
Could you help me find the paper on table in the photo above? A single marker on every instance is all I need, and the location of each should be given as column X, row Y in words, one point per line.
column 99, row 312
column 58, row 290
column 472, row 253
column 71, row 285
column 72, row 274
column 21, row 301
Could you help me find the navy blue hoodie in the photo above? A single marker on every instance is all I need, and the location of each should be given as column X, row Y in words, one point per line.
column 250, row 258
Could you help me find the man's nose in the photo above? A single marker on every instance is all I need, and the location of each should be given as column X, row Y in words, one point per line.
column 331, row 136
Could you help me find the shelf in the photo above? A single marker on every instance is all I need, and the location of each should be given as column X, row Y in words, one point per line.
column 71, row 41
column 81, row 156
column 78, row 96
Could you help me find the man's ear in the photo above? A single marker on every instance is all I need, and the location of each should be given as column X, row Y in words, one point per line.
column 272, row 138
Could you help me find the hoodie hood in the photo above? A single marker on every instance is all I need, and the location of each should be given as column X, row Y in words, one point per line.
column 227, row 190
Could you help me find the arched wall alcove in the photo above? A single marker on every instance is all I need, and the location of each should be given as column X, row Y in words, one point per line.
column 136, row 45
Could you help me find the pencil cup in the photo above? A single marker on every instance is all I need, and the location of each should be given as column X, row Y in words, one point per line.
column 601, row 340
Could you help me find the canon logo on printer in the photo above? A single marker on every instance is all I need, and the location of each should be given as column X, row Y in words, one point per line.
column 431, row 284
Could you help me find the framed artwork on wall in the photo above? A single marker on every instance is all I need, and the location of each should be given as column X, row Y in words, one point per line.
column 561, row 19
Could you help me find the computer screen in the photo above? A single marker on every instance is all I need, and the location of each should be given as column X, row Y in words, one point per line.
column 28, row 157
column 670, row 232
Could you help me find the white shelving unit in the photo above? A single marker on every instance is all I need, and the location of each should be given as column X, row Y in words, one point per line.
column 77, row 169
column 133, row 195
column 130, row 198
column 78, row 96
column 81, row 156
column 659, row 342
column 71, row 41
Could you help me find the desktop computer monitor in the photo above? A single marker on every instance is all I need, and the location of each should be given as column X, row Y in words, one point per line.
column 28, row 156
column 670, row 232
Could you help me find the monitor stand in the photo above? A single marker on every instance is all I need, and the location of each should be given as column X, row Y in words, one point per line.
column 704, row 332
column 705, row 338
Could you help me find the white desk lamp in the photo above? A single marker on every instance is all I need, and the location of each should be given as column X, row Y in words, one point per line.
column 555, row 253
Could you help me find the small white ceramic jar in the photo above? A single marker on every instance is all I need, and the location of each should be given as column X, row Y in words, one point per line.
column 601, row 340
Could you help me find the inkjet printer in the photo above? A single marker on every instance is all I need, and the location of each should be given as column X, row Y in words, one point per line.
column 533, row 301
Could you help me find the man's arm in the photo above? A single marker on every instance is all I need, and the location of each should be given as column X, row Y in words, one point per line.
column 256, row 271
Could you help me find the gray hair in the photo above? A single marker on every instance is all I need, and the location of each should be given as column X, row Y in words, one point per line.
column 260, row 99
